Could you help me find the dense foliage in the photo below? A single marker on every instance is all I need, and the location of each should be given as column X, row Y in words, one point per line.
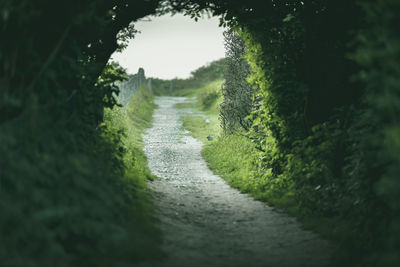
column 238, row 94
column 67, row 196
column 326, row 130
column 327, row 127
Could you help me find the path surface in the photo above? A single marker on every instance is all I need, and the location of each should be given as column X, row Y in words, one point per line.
column 205, row 221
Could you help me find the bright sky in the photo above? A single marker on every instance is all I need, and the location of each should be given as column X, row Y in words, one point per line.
column 171, row 47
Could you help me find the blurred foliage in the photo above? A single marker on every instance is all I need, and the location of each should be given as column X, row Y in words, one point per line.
column 71, row 201
column 375, row 163
column 68, row 196
column 199, row 78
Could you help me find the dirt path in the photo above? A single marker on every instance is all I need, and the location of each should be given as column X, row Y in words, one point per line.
column 205, row 221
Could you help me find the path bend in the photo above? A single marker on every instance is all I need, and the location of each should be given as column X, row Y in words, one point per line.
column 206, row 222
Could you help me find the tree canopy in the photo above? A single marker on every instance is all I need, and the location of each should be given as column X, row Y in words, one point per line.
column 325, row 75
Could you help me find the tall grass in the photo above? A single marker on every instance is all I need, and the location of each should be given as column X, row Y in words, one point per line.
column 132, row 122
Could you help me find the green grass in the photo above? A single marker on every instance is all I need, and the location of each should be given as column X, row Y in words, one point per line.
column 208, row 101
column 190, row 92
column 235, row 159
column 140, row 113
column 232, row 156
column 186, row 105
column 134, row 121
column 198, row 127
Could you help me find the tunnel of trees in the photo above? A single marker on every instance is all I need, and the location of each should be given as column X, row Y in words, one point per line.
column 320, row 99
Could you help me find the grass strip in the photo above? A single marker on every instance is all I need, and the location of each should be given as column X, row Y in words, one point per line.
column 133, row 121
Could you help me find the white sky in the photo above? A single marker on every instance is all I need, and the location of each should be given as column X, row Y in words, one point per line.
column 171, row 47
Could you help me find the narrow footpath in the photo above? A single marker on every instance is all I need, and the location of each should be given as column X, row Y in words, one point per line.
column 206, row 222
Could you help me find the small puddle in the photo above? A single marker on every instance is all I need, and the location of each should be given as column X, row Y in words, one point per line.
column 206, row 222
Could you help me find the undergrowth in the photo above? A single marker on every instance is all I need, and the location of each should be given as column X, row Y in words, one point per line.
column 235, row 158
column 132, row 122
column 232, row 156
column 68, row 200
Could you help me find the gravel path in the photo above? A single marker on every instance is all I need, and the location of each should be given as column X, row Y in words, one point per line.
column 206, row 222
